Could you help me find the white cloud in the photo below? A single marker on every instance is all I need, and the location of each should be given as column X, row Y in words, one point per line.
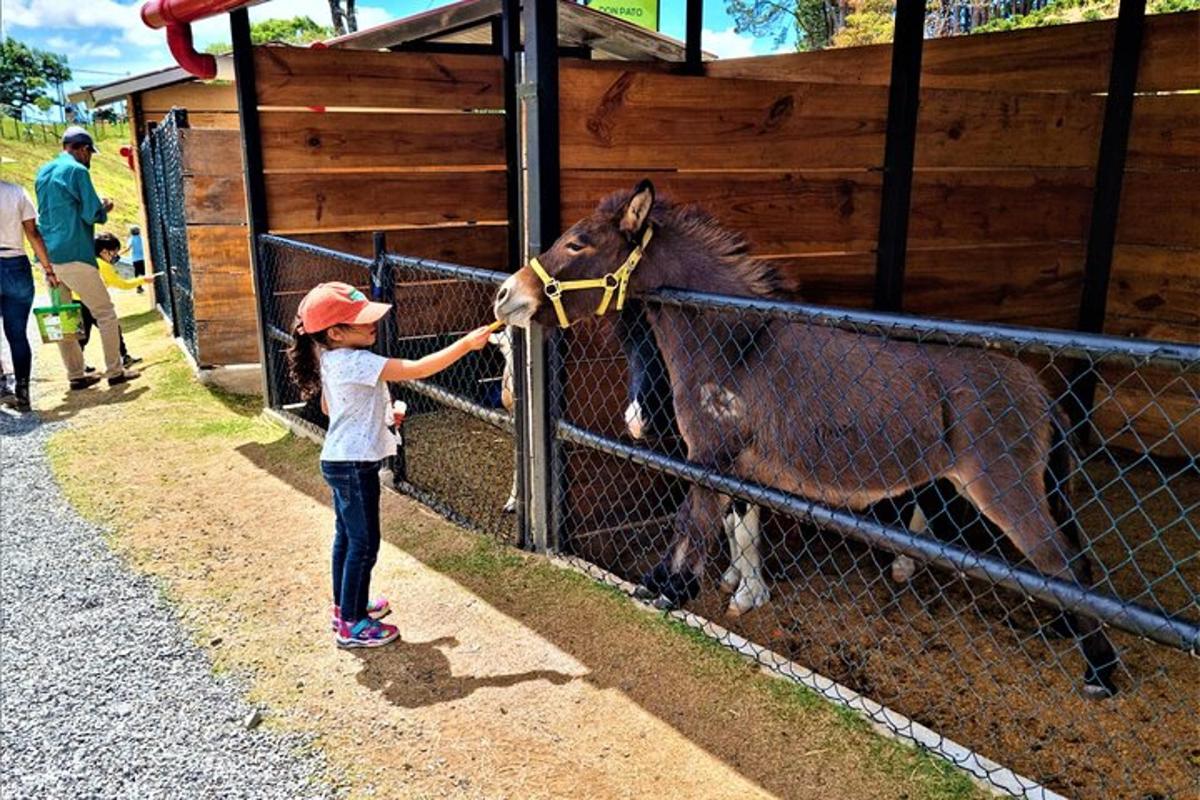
column 82, row 50
column 728, row 43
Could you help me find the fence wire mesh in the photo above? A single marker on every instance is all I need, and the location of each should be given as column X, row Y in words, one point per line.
column 921, row 521
column 172, row 207
column 458, row 451
column 156, row 230
column 915, row 515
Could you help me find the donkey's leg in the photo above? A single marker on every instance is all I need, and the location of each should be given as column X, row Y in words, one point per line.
column 676, row 579
column 903, row 566
column 730, row 522
column 1018, row 504
column 752, row 592
column 510, row 505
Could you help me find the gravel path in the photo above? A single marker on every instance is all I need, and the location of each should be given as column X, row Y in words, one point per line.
column 101, row 693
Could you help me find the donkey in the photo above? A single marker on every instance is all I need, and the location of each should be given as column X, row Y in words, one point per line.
column 838, row 417
column 650, row 415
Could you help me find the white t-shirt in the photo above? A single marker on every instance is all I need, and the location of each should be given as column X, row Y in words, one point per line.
column 15, row 208
column 359, row 406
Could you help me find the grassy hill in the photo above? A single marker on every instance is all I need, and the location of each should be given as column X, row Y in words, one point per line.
column 110, row 175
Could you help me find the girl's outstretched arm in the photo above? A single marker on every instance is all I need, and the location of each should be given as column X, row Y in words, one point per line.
column 401, row 369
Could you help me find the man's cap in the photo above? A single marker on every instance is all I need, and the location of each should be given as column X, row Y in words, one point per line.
column 77, row 135
column 336, row 303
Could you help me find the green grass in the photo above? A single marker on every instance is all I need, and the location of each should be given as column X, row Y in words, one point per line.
column 111, row 176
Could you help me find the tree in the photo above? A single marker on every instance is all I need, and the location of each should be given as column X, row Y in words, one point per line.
column 869, row 22
column 343, row 22
column 25, row 73
column 297, row 30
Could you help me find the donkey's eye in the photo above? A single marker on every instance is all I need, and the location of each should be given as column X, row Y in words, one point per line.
column 576, row 247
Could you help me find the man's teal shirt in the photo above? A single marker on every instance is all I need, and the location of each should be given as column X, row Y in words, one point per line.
column 68, row 210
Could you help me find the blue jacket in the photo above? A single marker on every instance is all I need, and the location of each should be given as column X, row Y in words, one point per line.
column 68, row 210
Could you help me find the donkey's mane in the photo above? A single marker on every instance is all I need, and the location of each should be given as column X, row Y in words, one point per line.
column 694, row 222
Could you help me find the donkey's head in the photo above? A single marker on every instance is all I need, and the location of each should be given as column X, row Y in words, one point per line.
column 588, row 271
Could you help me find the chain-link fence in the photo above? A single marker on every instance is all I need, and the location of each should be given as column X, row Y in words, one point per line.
column 914, row 517
column 162, row 175
column 903, row 506
column 457, row 453
column 156, row 231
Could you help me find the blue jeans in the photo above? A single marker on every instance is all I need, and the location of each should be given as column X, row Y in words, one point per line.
column 355, row 486
column 16, row 298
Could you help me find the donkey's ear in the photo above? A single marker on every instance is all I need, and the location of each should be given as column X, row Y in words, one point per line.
column 637, row 210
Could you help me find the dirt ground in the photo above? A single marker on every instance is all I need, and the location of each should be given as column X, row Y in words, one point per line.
column 970, row 662
column 515, row 678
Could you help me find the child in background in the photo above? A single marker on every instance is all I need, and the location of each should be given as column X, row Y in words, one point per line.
column 136, row 254
column 108, row 248
column 331, row 356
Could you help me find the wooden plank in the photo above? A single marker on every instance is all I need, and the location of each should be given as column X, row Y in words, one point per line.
column 295, row 76
column 471, row 245
column 638, row 120
column 1036, row 285
column 223, row 294
column 194, row 96
column 1063, row 58
column 426, row 307
column 780, row 213
column 1154, row 411
column 365, row 201
column 795, row 213
column 209, row 151
column 1154, row 293
column 221, row 120
column 999, row 207
column 214, row 200
column 298, row 140
column 1165, row 132
column 219, row 246
column 1020, row 285
column 968, row 128
column 224, row 342
column 1160, row 208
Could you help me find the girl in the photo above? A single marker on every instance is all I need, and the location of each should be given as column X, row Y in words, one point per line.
column 331, row 357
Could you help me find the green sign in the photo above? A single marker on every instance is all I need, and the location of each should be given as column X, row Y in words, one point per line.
column 639, row 12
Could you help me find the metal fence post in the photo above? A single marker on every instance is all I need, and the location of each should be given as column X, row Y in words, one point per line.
column 539, row 96
column 904, row 94
column 1106, row 198
column 256, row 195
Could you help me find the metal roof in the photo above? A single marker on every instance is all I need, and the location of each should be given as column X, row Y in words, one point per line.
column 104, row 93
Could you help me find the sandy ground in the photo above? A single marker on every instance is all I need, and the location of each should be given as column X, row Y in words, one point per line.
column 514, row 679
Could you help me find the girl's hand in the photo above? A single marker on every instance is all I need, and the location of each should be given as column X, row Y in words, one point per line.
column 478, row 338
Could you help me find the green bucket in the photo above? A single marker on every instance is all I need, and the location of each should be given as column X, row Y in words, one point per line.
column 59, row 321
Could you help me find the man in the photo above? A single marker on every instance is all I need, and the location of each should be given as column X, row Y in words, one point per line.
column 18, row 223
column 68, row 210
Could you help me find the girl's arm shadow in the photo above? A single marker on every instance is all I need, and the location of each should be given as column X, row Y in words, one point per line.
column 415, row 674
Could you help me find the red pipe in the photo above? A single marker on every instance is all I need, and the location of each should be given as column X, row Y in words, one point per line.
column 176, row 16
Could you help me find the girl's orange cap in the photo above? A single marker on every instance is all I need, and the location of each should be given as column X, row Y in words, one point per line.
column 336, row 303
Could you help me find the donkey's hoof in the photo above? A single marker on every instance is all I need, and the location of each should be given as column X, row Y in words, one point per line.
column 750, row 595
column 1098, row 684
column 642, row 592
column 664, row 603
column 510, row 507
column 1058, row 628
column 730, row 580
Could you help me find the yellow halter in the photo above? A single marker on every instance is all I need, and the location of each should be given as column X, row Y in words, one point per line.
column 615, row 281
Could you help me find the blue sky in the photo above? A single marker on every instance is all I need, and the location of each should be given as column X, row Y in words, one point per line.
column 105, row 39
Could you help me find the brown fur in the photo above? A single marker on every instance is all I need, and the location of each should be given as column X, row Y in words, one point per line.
column 838, row 417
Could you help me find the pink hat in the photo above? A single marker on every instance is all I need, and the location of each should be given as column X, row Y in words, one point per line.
column 336, row 303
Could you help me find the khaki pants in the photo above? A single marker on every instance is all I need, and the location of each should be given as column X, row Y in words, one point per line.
column 84, row 280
